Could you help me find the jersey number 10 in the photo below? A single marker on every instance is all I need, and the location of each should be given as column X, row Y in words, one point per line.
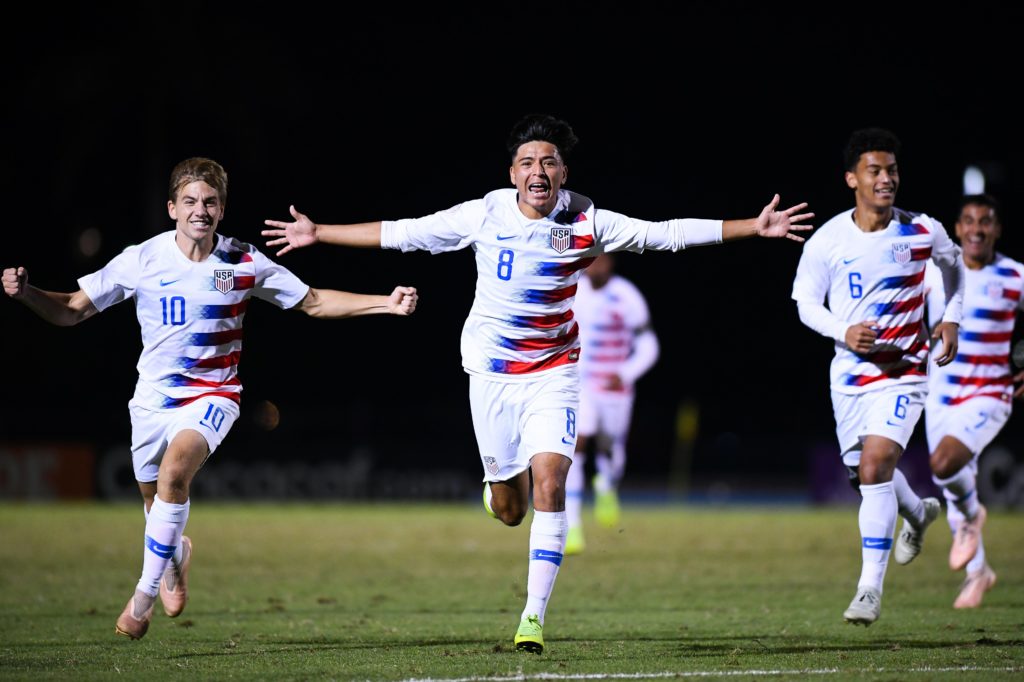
column 173, row 309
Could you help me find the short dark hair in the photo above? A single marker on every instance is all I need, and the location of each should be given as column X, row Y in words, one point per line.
column 869, row 140
column 980, row 200
column 544, row 128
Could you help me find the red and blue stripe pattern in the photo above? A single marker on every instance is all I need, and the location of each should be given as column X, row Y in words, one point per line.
column 565, row 357
column 982, row 367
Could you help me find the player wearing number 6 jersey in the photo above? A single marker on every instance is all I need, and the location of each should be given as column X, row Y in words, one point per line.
column 520, row 344
column 869, row 263
column 191, row 289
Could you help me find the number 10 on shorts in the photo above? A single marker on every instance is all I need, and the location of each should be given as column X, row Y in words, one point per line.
column 213, row 418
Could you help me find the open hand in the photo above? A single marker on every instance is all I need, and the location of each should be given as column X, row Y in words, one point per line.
column 772, row 223
column 292, row 235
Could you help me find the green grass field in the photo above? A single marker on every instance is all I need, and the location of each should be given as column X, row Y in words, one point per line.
column 394, row 592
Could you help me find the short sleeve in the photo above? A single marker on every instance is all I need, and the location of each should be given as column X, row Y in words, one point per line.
column 276, row 283
column 115, row 282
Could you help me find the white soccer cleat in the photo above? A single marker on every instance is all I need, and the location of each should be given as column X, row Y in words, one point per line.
column 911, row 538
column 975, row 587
column 865, row 608
column 965, row 541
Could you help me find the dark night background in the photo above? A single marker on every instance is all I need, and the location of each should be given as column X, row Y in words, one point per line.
column 703, row 110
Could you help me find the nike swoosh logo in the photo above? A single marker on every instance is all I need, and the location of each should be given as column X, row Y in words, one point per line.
column 870, row 544
column 891, row 423
column 567, row 442
column 163, row 283
column 502, row 238
column 847, row 261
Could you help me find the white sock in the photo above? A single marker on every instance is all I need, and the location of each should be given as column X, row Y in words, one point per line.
column 963, row 491
column 574, row 485
column 877, row 520
column 604, row 481
column 975, row 564
column 910, row 505
column 617, row 465
column 164, row 527
column 177, row 550
column 547, row 542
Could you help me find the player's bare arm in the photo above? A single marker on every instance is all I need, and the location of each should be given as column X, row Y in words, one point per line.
column 948, row 332
column 304, row 232
column 1019, row 379
column 63, row 310
column 770, row 223
column 861, row 337
column 332, row 304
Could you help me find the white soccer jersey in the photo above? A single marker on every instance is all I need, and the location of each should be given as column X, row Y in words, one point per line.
column 610, row 318
column 876, row 276
column 522, row 321
column 992, row 298
column 190, row 313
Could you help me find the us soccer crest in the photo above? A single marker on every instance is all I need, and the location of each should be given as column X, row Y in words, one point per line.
column 492, row 465
column 561, row 238
column 224, row 280
column 901, row 253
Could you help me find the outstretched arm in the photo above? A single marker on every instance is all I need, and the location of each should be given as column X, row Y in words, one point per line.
column 304, row 232
column 56, row 308
column 332, row 304
column 770, row 223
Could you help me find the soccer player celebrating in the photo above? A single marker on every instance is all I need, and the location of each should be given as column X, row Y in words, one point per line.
column 520, row 343
column 969, row 400
column 191, row 288
column 869, row 263
column 619, row 346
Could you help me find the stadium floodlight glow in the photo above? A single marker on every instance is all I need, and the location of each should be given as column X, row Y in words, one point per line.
column 974, row 180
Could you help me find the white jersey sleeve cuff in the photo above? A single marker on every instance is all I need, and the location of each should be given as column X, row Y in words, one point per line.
column 390, row 235
column 697, row 231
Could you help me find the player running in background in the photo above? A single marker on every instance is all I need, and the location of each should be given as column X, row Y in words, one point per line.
column 191, row 288
column 619, row 347
column 969, row 400
column 869, row 263
column 520, row 343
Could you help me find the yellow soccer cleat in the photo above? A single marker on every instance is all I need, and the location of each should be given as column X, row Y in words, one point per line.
column 574, row 542
column 487, row 501
column 606, row 505
column 530, row 636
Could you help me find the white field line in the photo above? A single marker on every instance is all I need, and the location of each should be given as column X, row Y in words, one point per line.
column 710, row 674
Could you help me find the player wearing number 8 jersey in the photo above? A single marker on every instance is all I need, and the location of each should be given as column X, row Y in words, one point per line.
column 191, row 289
column 520, row 343
column 869, row 263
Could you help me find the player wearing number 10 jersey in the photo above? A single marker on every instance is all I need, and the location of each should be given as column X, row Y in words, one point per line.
column 869, row 263
column 520, row 343
column 191, row 289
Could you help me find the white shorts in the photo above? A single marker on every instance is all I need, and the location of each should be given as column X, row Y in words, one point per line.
column 974, row 422
column 514, row 421
column 152, row 430
column 891, row 412
column 606, row 413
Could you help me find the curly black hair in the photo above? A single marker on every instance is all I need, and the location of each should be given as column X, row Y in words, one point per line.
column 869, row 140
